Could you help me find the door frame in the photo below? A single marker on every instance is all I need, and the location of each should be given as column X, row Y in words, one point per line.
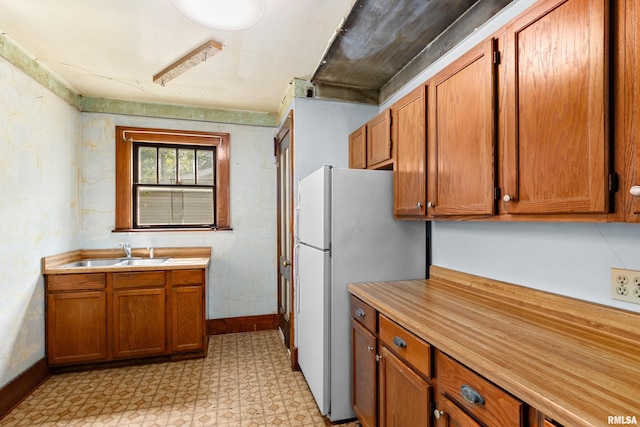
column 286, row 129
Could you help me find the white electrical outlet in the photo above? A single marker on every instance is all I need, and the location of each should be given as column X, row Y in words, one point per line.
column 625, row 285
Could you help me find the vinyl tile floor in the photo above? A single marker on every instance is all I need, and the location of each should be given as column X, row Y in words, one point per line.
column 245, row 380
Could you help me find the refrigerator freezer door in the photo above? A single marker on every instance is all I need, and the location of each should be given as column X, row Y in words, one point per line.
column 314, row 209
column 314, row 322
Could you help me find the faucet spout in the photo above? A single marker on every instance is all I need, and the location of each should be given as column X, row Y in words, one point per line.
column 126, row 247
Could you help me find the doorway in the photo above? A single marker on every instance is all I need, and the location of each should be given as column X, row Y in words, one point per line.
column 284, row 170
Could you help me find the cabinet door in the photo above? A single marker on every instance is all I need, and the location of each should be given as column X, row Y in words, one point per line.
column 139, row 322
column 405, row 397
column 187, row 318
column 627, row 94
column 364, row 374
column 76, row 327
column 449, row 415
column 461, row 151
column 358, row 149
column 410, row 152
column 379, row 139
column 557, row 147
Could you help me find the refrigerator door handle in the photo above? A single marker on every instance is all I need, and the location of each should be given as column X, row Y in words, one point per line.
column 296, row 278
column 296, row 218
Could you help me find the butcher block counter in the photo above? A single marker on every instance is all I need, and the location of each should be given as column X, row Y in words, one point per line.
column 576, row 362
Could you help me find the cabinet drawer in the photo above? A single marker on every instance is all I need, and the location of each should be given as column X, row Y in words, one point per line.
column 75, row 282
column 363, row 313
column 492, row 405
column 407, row 346
column 186, row 277
column 138, row 279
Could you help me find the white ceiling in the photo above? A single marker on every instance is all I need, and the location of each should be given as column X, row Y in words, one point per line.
column 112, row 48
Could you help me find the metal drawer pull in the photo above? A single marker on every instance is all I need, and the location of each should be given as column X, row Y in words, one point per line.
column 470, row 395
column 399, row 342
column 360, row 312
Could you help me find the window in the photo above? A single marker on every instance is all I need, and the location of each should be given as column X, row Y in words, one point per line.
column 169, row 179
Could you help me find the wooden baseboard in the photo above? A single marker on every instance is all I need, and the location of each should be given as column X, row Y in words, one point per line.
column 242, row 324
column 22, row 386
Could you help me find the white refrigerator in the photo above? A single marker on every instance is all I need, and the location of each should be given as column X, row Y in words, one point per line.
column 345, row 233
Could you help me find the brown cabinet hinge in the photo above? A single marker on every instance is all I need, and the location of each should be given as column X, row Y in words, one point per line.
column 496, row 57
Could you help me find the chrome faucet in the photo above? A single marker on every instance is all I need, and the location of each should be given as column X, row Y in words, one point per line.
column 127, row 249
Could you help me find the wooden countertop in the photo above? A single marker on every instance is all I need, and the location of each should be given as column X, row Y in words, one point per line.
column 577, row 362
column 180, row 258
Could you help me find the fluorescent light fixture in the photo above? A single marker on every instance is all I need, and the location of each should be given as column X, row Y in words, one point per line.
column 222, row 14
column 190, row 60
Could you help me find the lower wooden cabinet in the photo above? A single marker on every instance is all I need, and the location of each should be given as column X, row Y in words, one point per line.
column 364, row 375
column 387, row 391
column 404, row 396
column 76, row 326
column 103, row 317
column 139, row 322
column 481, row 399
column 447, row 414
column 188, row 329
column 396, row 375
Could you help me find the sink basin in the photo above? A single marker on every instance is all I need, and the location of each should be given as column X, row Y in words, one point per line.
column 114, row 262
column 97, row 262
column 142, row 261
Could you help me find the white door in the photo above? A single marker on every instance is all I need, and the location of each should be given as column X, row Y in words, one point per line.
column 313, row 322
column 314, row 205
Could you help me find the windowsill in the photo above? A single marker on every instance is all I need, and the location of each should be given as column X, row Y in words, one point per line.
column 137, row 230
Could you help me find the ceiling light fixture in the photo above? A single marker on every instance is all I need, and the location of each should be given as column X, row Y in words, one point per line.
column 190, row 60
column 222, row 14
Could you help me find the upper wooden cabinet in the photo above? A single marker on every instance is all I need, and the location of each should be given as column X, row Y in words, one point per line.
column 358, row 148
column 461, row 144
column 410, row 154
column 379, row 147
column 370, row 145
column 557, row 145
column 626, row 103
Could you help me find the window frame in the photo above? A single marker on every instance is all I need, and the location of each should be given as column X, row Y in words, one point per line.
column 126, row 136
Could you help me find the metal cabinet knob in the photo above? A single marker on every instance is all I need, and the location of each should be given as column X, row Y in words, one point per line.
column 360, row 312
column 635, row 190
column 399, row 342
column 438, row 413
column 430, row 205
column 285, row 263
column 419, row 205
column 507, row 198
column 369, row 348
column 470, row 395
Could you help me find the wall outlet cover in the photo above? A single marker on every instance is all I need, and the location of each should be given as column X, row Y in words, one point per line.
column 625, row 285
